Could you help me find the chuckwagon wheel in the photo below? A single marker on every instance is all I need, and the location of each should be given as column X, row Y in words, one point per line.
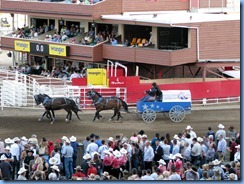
column 177, row 113
column 149, row 115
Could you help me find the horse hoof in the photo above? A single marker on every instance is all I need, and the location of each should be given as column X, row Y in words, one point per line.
column 66, row 120
column 40, row 119
column 51, row 123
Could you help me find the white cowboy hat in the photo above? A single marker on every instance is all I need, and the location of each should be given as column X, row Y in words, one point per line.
column 123, row 151
column 144, row 136
column 53, row 160
column 178, row 155
column 238, row 146
column 221, row 126
column 55, row 168
column 64, row 138
column 172, row 157
column 78, row 168
column 95, row 153
column 8, row 141
column 199, row 139
column 107, row 152
column 189, row 127
column 124, row 139
column 87, row 156
column 67, row 141
column 22, row 169
column 176, row 137
column 161, row 161
column 16, row 139
column 24, row 138
column 111, row 139
column 7, row 148
column 105, row 173
column 117, row 153
column 72, row 138
column 216, row 162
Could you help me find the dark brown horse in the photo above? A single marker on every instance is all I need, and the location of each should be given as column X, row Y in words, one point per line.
column 52, row 104
column 107, row 103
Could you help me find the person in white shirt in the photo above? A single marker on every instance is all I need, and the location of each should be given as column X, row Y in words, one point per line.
column 148, row 155
column 190, row 131
column 92, row 147
column 76, row 74
column 102, row 148
column 237, row 155
column 15, row 151
column 220, row 131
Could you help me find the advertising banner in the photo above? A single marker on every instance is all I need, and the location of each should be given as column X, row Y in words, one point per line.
column 22, row 46
column 117, row 81
column 58, row 50
column 97, row 76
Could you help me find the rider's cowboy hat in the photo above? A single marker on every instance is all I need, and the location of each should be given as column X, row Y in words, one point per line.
column 221, row 126
column 7, row 148
column 95, row 153
column 144, row 136
column 64, row 138
column 16, row 139
column 72, row 138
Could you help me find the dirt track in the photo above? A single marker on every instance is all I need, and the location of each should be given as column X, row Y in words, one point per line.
column 23, row 122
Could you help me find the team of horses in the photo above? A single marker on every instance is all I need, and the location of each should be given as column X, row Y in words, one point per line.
column 100, row 103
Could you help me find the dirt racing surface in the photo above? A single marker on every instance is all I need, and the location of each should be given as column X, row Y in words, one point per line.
column 24, row 122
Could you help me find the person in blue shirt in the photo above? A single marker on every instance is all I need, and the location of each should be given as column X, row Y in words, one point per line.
column 114, row 41
column 98, row 141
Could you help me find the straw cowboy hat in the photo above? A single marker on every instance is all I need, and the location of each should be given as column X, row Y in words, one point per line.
column 161, row 161
column 238, row 146
column 221, row 126
column 111, row 139
column 117, row 153
column 7, row 148
column 216, row 162
column 123, row 151
column 87, row 156
column 22, row 170
column 199, row 139
column 8, row 141
column 55, row 168
column 178, row 155
column 172, row 157
column 53, row 161
column 189, row 127
column 23, row 138
column 176, row 137
column 78, row 168
column 72, row 138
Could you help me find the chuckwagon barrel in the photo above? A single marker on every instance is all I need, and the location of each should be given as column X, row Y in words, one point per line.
column 175, row 105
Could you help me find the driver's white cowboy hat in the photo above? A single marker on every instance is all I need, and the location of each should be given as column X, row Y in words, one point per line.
column 22, row 169
column 221, row 126
column 123, row 151
column 189, row 127
column 216, row 162
column 161, row 161
column 53, row 161
column 8, row 141
column 72, row 138
column 172, row 157
column 87, row 156
column 178, row 155
column 117, row 153
column 176, row 137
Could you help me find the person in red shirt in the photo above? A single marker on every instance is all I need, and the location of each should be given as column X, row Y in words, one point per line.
column 232, row 149
column 92, row 169
column 116, row 164
column 78, row 173
column 107, row 161
column 178, row 163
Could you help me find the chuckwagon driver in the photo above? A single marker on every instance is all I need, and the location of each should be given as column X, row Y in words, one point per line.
column 154, row 91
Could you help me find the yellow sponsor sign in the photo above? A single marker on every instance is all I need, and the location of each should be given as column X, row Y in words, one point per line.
column 97, row 76
column 22, row 46
column 58, row 50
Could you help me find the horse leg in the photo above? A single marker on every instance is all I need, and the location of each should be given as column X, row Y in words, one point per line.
column 76, row 113
column 51, row 118
column 96, row 115
column 118, row 116
column 53, row 115
column 115, row 112
column 40, row 119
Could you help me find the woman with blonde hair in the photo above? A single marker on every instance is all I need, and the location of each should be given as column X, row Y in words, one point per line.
column 39, row 173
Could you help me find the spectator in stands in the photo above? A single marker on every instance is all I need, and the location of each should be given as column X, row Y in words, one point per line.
column 67, row 152
column 232, row 149
column 190, row 131
column 113, row 41
column 221, row 147
column 196, row 152
column 237, row 154
column 148, row 155
column 210, row 132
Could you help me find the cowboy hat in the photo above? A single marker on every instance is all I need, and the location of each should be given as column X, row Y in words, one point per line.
column 176, row 137
column 178, row 155
column 7, row 148
column 72, row 138
column 64, row 138
column 8, row 141
column 161, row 161
column 117, row 153
column 53, row 160
column 23, row 138
column 238, row 146
column 221, row 126
column 199, row 139
column 123, row 151
column 22, row 170
column 105, row 173
column 216, row 162
column 95, row 153
column 172, row 157
column 78, row 168
column 144, row 136
column 189, row 127
column 107, row 152
column 67, row 141
column 87, row 156
column 55, row 168
column 111, row 139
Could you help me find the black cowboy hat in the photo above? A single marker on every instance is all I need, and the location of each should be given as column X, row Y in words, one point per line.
column 141, row 132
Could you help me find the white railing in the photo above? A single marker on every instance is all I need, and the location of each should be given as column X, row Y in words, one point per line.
column 213, row 101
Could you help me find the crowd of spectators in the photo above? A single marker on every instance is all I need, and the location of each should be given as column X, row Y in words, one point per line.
column 182, row 157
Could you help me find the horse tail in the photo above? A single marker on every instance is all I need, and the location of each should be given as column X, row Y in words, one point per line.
column 124, row 104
